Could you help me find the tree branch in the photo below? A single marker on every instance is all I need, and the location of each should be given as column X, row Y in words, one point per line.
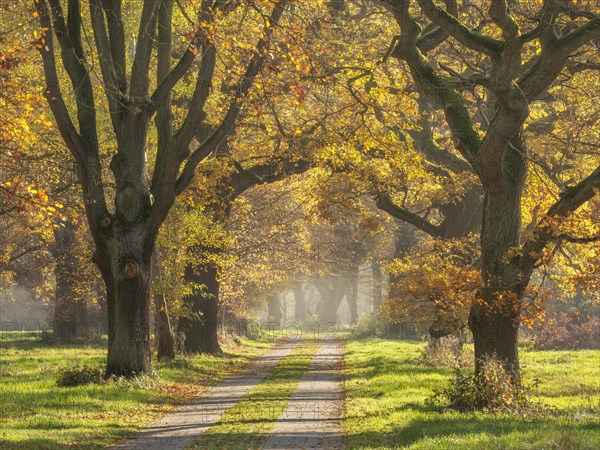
column 244, row 84
column 577, row 239
column 140, row 73
column 440, row 90
column 456, row 29
column 53, row 91
column 109, row 75
column 570, row 200
column 116, row 30
column 195, row 115
column 206, row 16
column 266, row 173
column 502, row 18
column 554, row 57
column 430, row 149
column 69, row 40
column 385, row 203
column 74, row 26
column 170, row 81
column 84, row 152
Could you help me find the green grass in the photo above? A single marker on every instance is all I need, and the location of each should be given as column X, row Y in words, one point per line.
column 386, row 392
column 36, row 414
column 248, row 423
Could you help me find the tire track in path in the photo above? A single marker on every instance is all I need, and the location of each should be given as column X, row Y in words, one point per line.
column 178, row 428
column 313, row 416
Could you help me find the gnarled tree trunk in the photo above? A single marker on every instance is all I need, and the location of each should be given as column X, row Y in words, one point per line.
column 126, row 274
column 124, row 248
column 494, row 317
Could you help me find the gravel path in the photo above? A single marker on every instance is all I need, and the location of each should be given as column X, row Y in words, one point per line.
column 312, row 418
column 178, row 429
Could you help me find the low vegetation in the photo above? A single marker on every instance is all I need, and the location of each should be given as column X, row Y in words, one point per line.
column 92, row 413
column 567, row 331
column 493, row 390
column 387, row 407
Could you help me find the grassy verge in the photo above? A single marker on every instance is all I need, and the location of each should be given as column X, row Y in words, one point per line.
column 385, row 394
column 247, row 424
column 35, row 413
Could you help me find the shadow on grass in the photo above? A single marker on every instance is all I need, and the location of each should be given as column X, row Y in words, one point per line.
column 28, row 341
column 441, row 425
column 28, row 444
column 384, row 373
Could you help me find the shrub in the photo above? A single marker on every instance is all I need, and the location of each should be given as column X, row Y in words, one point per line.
column 447, row 351
column 254, row 331
column 79, row 376
column 179, row 362
column 373, row 325
column 567, row 332
column 493, row 390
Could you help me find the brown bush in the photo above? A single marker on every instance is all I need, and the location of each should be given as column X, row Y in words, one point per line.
column 567, row 332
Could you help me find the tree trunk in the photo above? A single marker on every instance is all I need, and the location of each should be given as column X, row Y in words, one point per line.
column 330, row 300
column 284, row 308
column 353, row 297
column 300, row 306
column 70, row 309
column 127, row 280
column 494, row 318
column 377, row 294
column 163, row 331
column 327, row 307
column 165, row 348
column 201, row 328
column 405, row 239
column 274, row 308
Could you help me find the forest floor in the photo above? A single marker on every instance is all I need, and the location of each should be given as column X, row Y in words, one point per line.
column 314, row 393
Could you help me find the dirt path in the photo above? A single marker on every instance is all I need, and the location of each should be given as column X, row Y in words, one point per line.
column 178, row 429
column 312, row 418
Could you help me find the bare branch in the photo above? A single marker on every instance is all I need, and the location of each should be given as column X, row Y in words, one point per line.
column 84, row 151
column 53, row 91
column 107, row 67
column 72, row 53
